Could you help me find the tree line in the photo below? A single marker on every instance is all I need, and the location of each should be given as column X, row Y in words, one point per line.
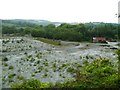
column 65, row 31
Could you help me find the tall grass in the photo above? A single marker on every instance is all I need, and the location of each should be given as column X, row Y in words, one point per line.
column 49, row 41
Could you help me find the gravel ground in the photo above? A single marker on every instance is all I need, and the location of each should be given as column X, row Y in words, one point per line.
column 46, row 62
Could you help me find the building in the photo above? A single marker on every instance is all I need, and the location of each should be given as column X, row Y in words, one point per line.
column 56, row 25
column 99, row 39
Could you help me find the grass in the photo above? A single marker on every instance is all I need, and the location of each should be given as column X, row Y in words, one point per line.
column 31, row 84
column 45, row 40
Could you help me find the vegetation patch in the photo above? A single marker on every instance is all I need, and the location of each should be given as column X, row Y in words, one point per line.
column 53, row 42
column 11, row 67
column 33, row 84
column 100, row 73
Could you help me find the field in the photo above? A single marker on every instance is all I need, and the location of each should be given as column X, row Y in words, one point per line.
column 26, row 58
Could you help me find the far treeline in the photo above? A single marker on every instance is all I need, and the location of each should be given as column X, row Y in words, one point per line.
column 65, row 31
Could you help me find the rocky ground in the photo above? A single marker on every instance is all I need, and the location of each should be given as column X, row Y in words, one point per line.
column 26, row 58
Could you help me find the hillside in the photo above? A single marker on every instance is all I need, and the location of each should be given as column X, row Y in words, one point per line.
column 26, row 22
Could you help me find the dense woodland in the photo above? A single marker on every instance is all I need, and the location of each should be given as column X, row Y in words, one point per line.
column 65, row 31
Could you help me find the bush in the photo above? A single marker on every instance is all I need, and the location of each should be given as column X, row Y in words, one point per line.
column 38, row 62
column 33, row 83
column 100, row 73
column 5, row 59
column 11, row 67
column 20, row 77
column 5, row 64
column 11, row 75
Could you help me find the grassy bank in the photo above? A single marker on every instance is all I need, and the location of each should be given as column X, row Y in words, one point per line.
column 49, row 41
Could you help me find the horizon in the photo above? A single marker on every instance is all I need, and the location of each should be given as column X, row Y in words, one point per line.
column 61, row 22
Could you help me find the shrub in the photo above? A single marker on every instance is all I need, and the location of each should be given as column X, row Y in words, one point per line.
column 25, row 53
column 4, row 50
column 118, row 53
column 11, row 67
column 5, row 64
column 5, row 59
column 20, row 77
column 35, row 65
column 41, row 68
column 54, row 65
column 11, row 75
column 100, row 73
column 33, row 84
column 32, row 60
column 29, row 56
column 33, row 75
column 46, row 70
column 64, row 65
column 45, row 75
column 45, row 63
column 70, row 69
column 38, row 62
column 85, row 62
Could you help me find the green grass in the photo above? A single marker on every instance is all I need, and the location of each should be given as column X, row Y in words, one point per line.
column 31, row 84
column 45, row 40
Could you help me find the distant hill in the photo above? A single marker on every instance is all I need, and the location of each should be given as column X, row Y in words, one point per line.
column 33, row 22
column 27, row 22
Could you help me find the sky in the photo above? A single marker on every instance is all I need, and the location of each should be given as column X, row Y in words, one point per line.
column 61, row 10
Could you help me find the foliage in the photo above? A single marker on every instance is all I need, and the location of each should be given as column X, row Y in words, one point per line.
column 5, row 59
column 33, row 84
column 118, row 53
column 68, row 32
column 11, row 67
column 100, row 73
column 49, row 41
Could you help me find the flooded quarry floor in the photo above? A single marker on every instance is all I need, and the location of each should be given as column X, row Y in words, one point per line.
column 26, row 58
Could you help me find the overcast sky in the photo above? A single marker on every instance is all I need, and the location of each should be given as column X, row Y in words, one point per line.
column 60, row 10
